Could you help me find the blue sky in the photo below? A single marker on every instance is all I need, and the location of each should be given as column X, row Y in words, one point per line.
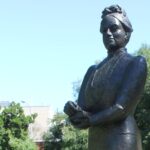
column 46, row 45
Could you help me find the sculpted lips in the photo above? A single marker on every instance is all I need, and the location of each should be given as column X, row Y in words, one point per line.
column 110, row 39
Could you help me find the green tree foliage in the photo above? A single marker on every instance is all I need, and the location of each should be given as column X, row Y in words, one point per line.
column 53, row 138
column 143, row 109
column 63, row 136
column 22, row 144
column 14, row 128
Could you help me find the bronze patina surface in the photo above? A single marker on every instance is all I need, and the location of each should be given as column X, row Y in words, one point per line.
column 111, row 90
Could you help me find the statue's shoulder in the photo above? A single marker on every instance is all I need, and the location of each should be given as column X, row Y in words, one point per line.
column 140, row 61
column 140, row 58
column 139, row 65
column 91, row 69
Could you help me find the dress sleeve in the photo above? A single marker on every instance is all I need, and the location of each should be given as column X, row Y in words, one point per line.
column 128, row 95
column 84, row 82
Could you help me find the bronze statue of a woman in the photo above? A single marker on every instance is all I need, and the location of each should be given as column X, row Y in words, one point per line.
column 111, row 90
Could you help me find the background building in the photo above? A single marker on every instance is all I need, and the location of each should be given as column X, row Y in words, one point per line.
column 41, row 124
column 42, row 121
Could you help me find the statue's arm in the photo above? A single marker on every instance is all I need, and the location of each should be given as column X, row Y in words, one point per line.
column 91, row 69
column 81, row 96
column 71, row 108
column 128, row 96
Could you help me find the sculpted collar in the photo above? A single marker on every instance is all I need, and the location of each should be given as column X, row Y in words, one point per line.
column 111, row 54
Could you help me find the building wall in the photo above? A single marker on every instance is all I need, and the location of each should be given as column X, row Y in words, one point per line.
column 42, row 121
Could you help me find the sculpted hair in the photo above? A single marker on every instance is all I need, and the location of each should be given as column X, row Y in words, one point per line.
column 117, row 12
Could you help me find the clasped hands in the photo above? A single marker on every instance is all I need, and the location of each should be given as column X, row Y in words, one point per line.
column 78, row 117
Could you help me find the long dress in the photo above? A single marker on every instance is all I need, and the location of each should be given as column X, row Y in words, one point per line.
column 110, row 92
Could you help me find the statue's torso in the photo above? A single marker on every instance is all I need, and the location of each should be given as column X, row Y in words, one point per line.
column 99, row 91
column 104, row 82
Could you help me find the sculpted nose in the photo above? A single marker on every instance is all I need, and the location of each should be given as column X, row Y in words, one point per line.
column 108, row 32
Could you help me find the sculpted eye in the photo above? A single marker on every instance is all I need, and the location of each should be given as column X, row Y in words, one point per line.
column 114, row 28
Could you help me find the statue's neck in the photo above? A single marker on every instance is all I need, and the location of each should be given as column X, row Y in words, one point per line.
column 116, row 52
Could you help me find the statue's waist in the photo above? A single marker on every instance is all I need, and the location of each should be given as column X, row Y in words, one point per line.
column 96, row 102
column 126, row 126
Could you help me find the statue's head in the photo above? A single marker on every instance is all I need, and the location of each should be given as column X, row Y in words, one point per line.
column 115, row 27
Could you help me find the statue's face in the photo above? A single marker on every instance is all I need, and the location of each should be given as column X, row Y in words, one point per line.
column 114, row 35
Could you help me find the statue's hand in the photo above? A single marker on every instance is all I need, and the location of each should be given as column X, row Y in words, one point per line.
column 80, row 120
column 78, row 117
column 83, row 125
column 71, row 108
